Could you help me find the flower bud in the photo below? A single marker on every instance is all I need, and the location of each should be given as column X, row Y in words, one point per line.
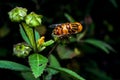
column 21, row 50
column 17, row 14
column 33, row 19
column 41, row 41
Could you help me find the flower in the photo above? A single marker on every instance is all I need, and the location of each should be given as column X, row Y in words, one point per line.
column 41, row 44
column 17, row 14
column 21, row 50
column 33, row 19
column 41, row 40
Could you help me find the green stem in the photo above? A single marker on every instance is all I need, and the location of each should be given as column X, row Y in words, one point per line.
column 35, row 44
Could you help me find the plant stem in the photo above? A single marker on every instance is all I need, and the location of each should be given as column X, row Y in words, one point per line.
column 52, row 49
column 35, row 45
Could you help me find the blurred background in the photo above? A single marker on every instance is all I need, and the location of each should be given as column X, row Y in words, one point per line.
column 102, row 18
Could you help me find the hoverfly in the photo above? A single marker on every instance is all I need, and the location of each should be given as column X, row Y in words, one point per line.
column 65, row 29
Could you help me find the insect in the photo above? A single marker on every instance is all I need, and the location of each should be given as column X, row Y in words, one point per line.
column 65, row 29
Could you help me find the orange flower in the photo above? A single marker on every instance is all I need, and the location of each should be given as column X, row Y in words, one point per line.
column 41, row 40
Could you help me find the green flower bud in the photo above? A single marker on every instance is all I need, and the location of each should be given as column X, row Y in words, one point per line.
column 33, row 19
column 21, row 50
column 17, row 14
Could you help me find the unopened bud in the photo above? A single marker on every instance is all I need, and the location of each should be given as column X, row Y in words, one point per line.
column 33, row 19
column 17, row 14
column 21, row 50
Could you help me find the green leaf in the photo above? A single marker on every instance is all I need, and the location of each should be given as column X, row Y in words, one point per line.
column 37, row 36
column 100, row 75
column 92, row 68
column 68, row 71
column 28, row 76
column 52, row 62
column 13, row 66
column 81, row 35
column 37, row 63
column 72, row 39
column 24, row 36
column 30, row 33
column 69, row 17
column 100, row 44
column 47, row 43
column 42, row 48
column 65, row 52
column 114, row 3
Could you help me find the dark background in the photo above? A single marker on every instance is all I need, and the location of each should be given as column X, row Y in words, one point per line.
column 53, row 12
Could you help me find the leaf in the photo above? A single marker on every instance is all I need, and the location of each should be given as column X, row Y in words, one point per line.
column 100, row 44
column 86, row 48
column 37, row 36
column 24, row 36
column 37, row 63
column 28, row 76
column 69, row 17
column 68, row 71
column 114, row 3
column 109, row 26
column 30, row 33
column 72, row 39
column 92, row 68
column 52, row 62
column 47, row 43
column 81, row 35
column 65, row 52
column 13, row 66
column 101, row 75
column 42, row 48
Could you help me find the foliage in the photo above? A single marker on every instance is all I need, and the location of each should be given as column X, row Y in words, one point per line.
column 31, row 51
column 37, row 62
column 13, row 66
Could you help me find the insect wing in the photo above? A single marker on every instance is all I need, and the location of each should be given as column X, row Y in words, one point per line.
column 54, row 25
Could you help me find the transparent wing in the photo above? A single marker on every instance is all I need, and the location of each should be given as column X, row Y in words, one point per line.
column 54, row 25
